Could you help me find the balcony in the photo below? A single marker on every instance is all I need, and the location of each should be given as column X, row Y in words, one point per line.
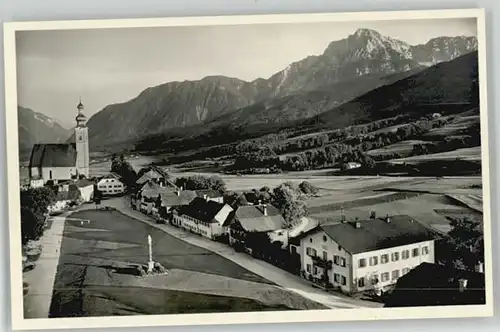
column 323, row 263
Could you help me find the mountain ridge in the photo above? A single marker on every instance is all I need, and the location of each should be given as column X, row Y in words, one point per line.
column 186, row 103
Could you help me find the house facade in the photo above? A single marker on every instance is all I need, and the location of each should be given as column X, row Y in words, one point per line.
column 111, row 185
column 365, row 255
column 203, row 217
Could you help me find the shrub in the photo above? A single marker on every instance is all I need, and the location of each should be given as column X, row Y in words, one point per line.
column 307, row 188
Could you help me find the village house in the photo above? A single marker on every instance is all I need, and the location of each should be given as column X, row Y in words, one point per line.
column 154, row 174
column 365, row 255
column 167, row 201
column 203, row 217
column 111, row 185
column 254, row 218
column 432, row 285
column 53, row 162
column 86, row 188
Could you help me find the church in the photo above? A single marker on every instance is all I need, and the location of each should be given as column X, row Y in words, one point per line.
column 54, row 162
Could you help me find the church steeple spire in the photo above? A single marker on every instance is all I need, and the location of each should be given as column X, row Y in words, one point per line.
column 81, row 119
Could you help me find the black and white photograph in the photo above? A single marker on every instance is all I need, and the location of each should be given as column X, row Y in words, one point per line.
column 240, row 169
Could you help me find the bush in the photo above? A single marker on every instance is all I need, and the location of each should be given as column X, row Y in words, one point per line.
column 307, row 188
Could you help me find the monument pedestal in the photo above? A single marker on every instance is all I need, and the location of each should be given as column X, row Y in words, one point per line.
column 151, row 266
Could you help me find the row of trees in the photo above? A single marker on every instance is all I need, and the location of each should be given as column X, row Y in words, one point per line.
column 199, row 182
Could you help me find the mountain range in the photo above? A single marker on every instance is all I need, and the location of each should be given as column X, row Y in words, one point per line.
column 347, row 69
column 36, row 128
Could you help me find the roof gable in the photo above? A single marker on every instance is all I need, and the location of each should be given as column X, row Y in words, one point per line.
column 53, row 155
column 376, row 234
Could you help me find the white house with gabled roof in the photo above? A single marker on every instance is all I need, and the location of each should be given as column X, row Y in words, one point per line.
column 366, row 255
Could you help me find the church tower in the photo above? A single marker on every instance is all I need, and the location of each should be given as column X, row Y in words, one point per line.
column 82, row 142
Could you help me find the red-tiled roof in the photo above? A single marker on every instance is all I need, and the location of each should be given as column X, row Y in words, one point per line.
column 53, row 155
column 375, row 234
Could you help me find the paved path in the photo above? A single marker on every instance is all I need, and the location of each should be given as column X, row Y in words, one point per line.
column 41, row 278
column 270, row 272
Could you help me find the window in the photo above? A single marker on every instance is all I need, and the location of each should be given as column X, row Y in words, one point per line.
column 308, row 268
column 373, row 260
column 336, row 260
column 414, row 252
column 311, row 251
column 384, row 258
column 361, row 282
column 374, row 279
column 385, row 276
column 425, row 250
column 395, row 274
column 395, row 256
column 311, row 240
column 406, row 254
column 342, row 261
column 362, row 262
column 339, row 248
column 406, row 270
column 50, row 175
column 336, row 277
column 315, row 270
column 343, row 280
column 324, row 238
column 325, row 255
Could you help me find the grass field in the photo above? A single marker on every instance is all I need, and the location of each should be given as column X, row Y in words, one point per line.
column 404, row 148
column 470, row 154
column 88, row 284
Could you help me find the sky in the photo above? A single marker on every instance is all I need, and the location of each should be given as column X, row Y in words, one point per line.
column 106, row 66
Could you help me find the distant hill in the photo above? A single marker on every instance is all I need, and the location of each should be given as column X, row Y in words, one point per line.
column 454, row 81
column 346, row 69
column 36, row 128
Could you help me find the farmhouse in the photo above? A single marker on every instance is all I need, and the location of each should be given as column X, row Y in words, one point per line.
column 204, row 217
column 433, row 285
column 365, row 255
column 111, row 184
column 254, row 218
column 154, row 174
column 166, row 202
column 54, row 162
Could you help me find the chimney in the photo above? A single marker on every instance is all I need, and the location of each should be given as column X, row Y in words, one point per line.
column 342, row 216
column 357, row 224
column 205, row 197
column 373, row 215
column 182, row 188
column 480, row 267
column 462, row 285
column 265, row 210
column 387, row 218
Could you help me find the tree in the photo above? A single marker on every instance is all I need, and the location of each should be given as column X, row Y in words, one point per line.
column 37, row 200
column 288, row 201
column 31, row 226
column 123, row 168
column 466, row 243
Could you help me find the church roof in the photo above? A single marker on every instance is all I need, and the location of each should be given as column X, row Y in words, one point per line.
column 53, row 155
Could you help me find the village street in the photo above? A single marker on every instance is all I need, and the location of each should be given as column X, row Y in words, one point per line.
column 274, row 274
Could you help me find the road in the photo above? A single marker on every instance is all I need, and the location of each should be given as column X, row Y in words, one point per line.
column 276, row 275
